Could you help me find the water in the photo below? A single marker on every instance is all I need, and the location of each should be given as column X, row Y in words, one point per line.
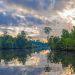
column 15, row 67
column 56, row 69
column 24, row 70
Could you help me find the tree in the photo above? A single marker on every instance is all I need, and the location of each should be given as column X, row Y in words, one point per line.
column 68, row 39
column 47, row 31
column 6, row 42
column 63, row 44
column 73, row 33
column 15, row 47
column 65, row 34
column 55, row 43
column 21, row 40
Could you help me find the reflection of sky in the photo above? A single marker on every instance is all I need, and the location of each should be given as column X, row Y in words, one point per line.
column 42, row 59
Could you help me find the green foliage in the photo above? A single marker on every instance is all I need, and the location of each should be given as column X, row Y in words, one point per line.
column 65, row 34
column 15, row 47
column 55, row 43
column 68, row 39
column 63, row 48
column 55, row 56
column 66, row 42
column 47, row 31
column 6, row 42
column 66, row 58
column 73, row 33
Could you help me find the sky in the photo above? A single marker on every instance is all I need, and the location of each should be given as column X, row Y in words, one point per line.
column 51, row 11
column 39, row 5
column 44, row 7
column 44, row 4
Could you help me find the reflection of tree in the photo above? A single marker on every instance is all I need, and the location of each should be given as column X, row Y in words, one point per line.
column 15, row 47
column 63, row 47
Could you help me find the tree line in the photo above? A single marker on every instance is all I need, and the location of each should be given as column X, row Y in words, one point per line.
column 63, row 48
column 65, row 42
column 19, row 47
column 15, row 47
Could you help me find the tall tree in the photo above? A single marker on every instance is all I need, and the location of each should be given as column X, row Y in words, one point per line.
column 47, row 31
column 65, row 34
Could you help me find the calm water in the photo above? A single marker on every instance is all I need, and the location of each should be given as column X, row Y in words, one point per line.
column 19, row 69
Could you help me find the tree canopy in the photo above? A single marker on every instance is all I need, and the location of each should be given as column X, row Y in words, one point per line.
column 63, row 48
column 15, row 47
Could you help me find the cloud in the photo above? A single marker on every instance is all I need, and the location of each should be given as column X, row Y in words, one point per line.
column 3, row 5
column 44, row 4
column 34, row 4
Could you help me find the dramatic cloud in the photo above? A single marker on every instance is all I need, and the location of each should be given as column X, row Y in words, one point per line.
column 43, row 4
column 46, row 12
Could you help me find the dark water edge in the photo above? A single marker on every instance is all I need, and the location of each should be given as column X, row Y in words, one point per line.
column 67, row 57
